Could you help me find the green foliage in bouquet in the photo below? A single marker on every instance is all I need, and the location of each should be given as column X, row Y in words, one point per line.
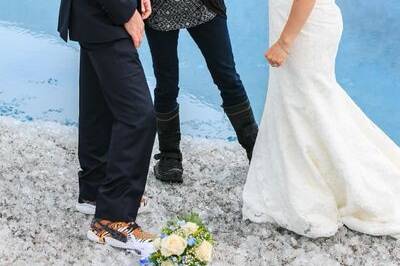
column 184, row 241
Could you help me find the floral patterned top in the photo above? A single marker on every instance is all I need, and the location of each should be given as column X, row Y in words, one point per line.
column 178, row 14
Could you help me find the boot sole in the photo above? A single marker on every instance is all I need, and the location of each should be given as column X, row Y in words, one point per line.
column 141, row 248
column 173, row 176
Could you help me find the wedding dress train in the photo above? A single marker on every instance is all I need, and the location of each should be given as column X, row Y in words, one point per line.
column 319, row 162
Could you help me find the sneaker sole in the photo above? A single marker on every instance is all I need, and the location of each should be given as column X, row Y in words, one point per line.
column 89, row 209
column 173, row 176
column 144, row 249
column 85, row 208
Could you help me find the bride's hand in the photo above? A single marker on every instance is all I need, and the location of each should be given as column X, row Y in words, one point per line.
column 277, row 54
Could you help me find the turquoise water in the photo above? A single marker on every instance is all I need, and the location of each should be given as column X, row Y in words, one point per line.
column 39, row 73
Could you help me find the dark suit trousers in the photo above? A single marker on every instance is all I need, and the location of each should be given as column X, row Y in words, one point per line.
column 116, row 129
column 213, row 40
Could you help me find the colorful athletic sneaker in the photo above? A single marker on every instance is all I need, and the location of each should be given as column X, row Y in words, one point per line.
column 122, row 235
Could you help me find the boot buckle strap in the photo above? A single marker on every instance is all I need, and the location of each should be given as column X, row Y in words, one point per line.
column 168, row 155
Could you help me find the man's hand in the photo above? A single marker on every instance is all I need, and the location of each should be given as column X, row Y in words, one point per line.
column 135, row 28
column 146, row 9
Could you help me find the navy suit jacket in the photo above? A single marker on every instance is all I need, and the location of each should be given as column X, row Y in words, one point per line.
column 95, row 21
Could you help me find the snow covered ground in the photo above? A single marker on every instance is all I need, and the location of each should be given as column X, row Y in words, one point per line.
column 39, row 226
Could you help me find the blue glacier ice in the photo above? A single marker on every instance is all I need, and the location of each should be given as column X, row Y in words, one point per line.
column 39, row 73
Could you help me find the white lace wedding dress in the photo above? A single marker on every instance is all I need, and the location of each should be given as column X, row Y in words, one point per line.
column 319, row 162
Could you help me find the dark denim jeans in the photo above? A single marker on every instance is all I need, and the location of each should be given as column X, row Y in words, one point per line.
column 213, row 40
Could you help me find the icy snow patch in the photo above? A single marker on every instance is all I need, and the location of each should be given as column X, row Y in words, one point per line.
column 38, row 188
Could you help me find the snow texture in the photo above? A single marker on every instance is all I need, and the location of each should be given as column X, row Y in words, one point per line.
column 39, row 225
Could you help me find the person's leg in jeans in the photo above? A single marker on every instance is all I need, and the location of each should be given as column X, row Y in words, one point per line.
column 95, row 121
column 163, row 46
column 213, row 40
column 126, row 93
column 164, row 51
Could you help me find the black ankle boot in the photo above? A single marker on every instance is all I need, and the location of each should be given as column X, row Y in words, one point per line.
column 246, row 128
column 169, row 166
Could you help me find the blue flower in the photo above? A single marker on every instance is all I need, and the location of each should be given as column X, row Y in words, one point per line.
column 163, row 236
column 144, row 262
column 191, row 241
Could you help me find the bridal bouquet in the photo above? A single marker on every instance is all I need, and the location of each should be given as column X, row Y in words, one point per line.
column 184, row 241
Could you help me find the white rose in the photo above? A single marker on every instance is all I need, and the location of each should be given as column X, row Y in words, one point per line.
column 167, row 263
column 173, row 245
column 157, row 243
column 190, row 228
column 204, row 251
